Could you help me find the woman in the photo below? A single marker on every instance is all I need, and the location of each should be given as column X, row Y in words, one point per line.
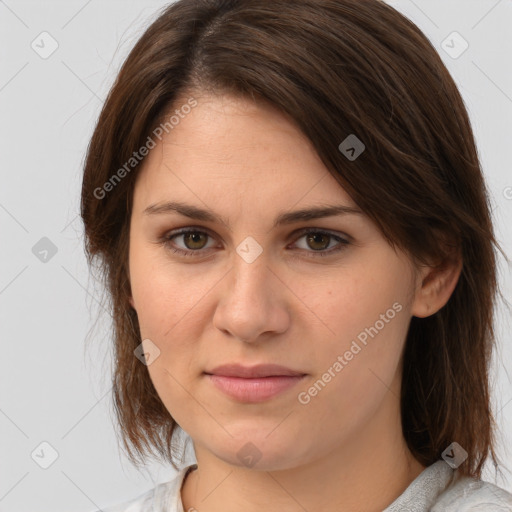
column 288, row 209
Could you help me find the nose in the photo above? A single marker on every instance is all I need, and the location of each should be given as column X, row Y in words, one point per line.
column 253, row 304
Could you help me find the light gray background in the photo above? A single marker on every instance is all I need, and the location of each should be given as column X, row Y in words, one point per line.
column 52, row 390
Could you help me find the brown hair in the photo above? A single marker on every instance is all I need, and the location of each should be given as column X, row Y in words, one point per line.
column 335, row 67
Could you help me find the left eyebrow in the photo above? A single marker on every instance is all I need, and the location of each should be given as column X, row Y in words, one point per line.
column 194, row 212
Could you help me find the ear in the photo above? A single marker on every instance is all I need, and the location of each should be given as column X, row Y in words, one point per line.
column 435, row 285
column 132, row 303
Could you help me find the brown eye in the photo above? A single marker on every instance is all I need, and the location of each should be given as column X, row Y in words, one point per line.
column 318, row 241
column 189, row 242
column 195, row 239
column 194, row 242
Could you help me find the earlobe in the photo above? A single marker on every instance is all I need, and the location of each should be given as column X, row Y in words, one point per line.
column 436, row 285
column 132, row 303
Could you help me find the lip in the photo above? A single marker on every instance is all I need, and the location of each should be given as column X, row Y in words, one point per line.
column 253, row 384
column 254, row 390
column 260, row 370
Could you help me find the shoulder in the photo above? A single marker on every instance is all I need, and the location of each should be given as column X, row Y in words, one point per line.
column 143, row 503
column 439, row 488
column 139, row 504
column 164, row 497
column 465, row 494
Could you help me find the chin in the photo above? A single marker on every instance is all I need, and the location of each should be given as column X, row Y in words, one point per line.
column 260, row 452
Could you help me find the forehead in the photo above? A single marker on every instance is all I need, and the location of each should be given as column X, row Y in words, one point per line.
column 233, row 149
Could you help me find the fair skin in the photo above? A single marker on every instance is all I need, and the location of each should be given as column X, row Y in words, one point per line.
column 344, row 449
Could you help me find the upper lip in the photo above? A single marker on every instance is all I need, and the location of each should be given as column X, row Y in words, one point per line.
column 260, row 370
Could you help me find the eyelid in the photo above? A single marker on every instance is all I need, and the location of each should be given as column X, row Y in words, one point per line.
column 296, row 233
column 341, row 238
column 313, row 229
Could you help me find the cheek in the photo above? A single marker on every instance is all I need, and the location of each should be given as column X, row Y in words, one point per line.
column 356, row 373
column 169, row 310
column 164, row 293
column 355, row 300
column 170, row 316
column 367, row 313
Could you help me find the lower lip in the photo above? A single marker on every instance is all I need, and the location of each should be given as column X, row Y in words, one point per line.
column 254, row 390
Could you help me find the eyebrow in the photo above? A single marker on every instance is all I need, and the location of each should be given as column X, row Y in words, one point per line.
column 194, row 212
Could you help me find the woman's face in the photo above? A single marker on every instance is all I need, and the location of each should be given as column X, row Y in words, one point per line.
column 252, row 292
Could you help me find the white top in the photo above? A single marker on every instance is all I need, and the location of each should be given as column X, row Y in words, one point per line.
column 438, row 488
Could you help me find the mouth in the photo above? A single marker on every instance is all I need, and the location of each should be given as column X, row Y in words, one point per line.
column 253, row 384
column 260, row 370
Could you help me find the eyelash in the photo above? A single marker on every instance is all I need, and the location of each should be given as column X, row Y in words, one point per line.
column 167, row 242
